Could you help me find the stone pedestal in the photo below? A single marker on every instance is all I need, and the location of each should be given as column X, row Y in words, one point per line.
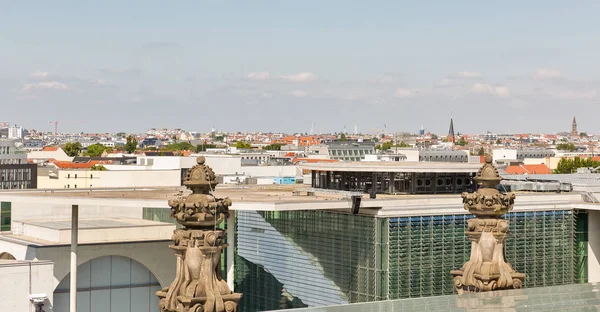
column 199, row 285
column 487, row 268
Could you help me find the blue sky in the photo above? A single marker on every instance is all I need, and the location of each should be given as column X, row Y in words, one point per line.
column 282, row 65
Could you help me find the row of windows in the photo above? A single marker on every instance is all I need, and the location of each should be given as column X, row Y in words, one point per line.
column 11, row 161
column 452, row 158
column 13, row 175
column 68, row 186
column 75, row 176
column 4, row 150
column 355, row 152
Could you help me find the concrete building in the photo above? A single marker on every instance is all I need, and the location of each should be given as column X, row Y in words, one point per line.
column 343, row 151
column 15, row 171
column 20, row 279
column 444, row 156
column 15, row 133
column 393, row 177
column 95, row 179
column 48, row 153
column 289, row 251
column 122, row 258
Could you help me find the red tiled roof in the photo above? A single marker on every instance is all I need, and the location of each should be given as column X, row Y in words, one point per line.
column 88, row 165
column 528, row 169
column 50, row 148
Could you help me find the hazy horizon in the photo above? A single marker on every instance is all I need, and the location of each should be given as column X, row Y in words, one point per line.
column 271, row 66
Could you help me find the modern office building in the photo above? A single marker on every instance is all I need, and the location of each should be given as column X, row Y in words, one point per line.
column 15, row 171
column 393, row 177
column 288, row 250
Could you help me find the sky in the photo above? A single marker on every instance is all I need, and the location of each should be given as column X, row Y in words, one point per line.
column 282, row 66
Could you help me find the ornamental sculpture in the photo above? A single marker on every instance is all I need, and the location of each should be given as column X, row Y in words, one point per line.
column 199, row 284
column 487, row 268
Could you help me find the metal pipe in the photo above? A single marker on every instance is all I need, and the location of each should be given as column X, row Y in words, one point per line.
column 74, row 230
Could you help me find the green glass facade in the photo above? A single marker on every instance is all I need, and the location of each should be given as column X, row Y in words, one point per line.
column 324, row 258
column 5, row 216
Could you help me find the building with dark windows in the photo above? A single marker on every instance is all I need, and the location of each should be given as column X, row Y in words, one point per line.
column 444, row 156
column 393, row 177
column 15, row 171
column 343, row 151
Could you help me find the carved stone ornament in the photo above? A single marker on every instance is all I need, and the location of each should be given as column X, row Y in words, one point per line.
column 199, row 284
column 487, row 268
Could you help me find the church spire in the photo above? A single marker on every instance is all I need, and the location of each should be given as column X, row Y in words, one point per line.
column 451, row 137
column 574, row 127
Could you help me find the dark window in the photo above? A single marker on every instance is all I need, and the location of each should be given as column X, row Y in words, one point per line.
column 5, row 216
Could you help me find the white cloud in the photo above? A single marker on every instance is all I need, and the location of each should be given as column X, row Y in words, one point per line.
column 468, row 75
column 51, row 85
column 407, row 93
column 299, row 93
column 484, row 88
column 39, row 74
column 575, row 95
column 259, row 76
column 545, row 73
column 136, row 99
column 300, row 77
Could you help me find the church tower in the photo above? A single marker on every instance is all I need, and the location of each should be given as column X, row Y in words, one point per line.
column 574, row 128
column 451, row 137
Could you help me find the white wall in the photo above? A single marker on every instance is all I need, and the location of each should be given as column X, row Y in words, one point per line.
column 166, row 162
column 499, row 154
column 17, row 279
column 30, row 207
column 224, row 164
column 156, row 256
column 270, row 171
column 109, row 179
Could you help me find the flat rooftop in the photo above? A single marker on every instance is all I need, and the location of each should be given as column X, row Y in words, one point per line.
column 579, row 297
column 95, row 230
column 394, row 166
column 245, row 193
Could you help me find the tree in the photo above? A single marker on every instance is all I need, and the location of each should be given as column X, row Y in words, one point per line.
column 343, row 137
column 203, row 147
column 131, row 144
column 98, row 168
column 498, row 141
column 462, row 142
column 402, row 144
column 273, row 147
column 95, row 150
column 565, row 147
column 181, row 146
column 481, row 151
column 434, row 136
column 384, row 146
column 583, row 134
column 566, row 165
column 121, row 134
column 242, row 144
column 72, row 148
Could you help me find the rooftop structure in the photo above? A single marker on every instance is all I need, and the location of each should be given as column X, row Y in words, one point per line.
column 393, row 177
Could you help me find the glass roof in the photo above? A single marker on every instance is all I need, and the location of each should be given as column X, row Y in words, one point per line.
column 579, row 297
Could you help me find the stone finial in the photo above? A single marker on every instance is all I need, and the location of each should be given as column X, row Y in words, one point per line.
column 199, row 284
column 487, row 268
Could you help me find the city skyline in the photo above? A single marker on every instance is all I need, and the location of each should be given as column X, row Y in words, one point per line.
column 282, row 67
